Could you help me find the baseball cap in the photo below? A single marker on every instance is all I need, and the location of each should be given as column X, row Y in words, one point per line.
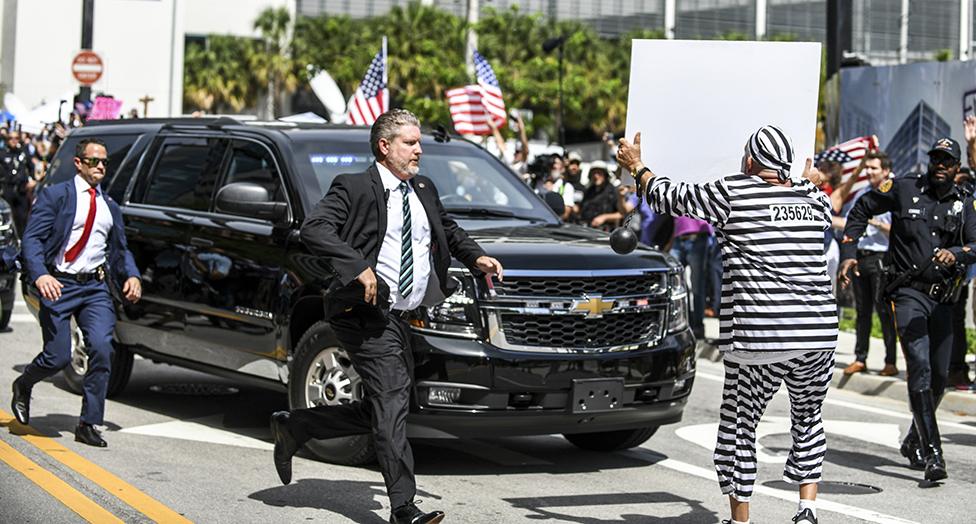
column 948, row 146
column 574, row 156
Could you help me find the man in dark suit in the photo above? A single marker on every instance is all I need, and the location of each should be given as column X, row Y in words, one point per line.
column 74, row 241
column 390, row 242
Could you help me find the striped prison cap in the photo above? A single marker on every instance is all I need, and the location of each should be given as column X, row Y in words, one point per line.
column 773, row 149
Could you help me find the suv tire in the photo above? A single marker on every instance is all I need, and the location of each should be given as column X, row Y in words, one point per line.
column 322, row 374
column 611, row 440
column 74, row 373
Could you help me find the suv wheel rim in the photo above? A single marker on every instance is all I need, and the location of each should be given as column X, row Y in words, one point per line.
column 331, row 379
column 79, row 356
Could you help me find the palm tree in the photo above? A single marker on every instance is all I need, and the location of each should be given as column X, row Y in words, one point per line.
column 273, row 65
column 217, row 77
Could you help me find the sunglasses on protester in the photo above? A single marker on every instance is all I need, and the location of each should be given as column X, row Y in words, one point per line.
column 93, row 161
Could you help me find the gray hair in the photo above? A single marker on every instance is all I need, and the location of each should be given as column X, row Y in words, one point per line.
column 387, row 126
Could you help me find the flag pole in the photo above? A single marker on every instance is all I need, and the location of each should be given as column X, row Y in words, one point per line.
column 386, row 70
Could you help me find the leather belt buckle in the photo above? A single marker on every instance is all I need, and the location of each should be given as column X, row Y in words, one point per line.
column 100, row 273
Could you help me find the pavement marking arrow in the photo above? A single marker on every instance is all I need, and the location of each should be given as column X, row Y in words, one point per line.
column 204, row 429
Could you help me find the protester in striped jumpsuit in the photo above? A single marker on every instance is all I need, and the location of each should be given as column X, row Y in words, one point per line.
column 779, row 317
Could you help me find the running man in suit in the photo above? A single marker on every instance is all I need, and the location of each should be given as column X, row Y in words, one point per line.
column 74, row 242
column 390, row 242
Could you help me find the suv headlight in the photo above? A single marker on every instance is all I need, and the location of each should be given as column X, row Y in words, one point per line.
column 458, row 314
column 679, row 302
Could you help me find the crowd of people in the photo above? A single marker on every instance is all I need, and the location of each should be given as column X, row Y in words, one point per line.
column 604, row 196
column 24, row 161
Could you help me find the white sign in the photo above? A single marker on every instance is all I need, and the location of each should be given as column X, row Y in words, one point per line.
column 697, row 102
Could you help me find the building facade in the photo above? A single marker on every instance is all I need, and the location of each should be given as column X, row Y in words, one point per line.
column 885, row 31
column 141, row 44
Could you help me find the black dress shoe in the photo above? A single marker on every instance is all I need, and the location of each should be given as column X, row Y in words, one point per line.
column 87, row 434
column 285, row 446
column 410, row 514
column 21, row 401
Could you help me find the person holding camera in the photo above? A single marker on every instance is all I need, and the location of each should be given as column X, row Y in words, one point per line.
column 933, row 235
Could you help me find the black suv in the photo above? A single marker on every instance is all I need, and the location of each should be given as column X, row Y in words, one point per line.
column 577, row 340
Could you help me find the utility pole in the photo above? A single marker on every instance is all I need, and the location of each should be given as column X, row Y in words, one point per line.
column 145, row 105
column 87, row 34
column 840, row 14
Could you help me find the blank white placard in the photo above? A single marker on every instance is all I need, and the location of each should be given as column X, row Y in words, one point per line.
column 696, row 102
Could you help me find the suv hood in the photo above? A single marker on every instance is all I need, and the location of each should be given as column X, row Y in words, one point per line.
column 564, row 247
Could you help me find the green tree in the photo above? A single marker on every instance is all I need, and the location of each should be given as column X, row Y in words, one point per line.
column 272, row 62
column 216, row 75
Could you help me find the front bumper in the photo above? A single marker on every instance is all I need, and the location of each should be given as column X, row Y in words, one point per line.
column 509, row 393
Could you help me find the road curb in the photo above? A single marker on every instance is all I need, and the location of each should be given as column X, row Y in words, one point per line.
column 957, row 402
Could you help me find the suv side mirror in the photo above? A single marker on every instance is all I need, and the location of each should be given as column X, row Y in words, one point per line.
column 252, row 200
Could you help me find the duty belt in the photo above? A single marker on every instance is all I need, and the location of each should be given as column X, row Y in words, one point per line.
column 932, row 290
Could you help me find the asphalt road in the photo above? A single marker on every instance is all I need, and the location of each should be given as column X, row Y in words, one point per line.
column 207, row 458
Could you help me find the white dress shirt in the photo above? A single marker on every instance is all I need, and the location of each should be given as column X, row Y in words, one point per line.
column 93, row 255
column 388, row 263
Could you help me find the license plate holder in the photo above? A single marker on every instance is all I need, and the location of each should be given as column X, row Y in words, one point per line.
column 597, row 395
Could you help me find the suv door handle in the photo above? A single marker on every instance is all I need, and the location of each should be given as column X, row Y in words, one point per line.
column 131, row 231
column 201, row 242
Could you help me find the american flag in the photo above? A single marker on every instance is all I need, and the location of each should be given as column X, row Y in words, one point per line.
column 848, row 155
column 372, row 98
column 472, row 105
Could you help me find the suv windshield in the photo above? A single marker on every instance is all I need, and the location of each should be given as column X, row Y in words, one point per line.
column 470, row 182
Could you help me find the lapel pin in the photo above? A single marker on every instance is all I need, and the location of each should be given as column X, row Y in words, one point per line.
column 420, row 185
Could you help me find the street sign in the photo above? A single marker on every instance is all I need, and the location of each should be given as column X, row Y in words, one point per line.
column 87, row 67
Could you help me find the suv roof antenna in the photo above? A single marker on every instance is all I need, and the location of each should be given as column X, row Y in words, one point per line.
column 440, row 134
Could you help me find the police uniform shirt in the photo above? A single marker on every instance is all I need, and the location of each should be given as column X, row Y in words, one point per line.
column 777, row 301
column 93, row 255
column 921, row 222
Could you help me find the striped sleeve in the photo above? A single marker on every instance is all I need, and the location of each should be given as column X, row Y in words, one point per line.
column 708, row 202
column 814, row 192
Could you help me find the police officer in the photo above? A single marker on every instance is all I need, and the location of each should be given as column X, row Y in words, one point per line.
column 16, row 176
column 933, row 235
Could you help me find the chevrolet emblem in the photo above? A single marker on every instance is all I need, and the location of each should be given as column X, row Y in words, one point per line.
column 593, row 306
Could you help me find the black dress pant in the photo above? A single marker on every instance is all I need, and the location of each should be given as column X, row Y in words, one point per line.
column 865, row 292
column 384, row 362
column 925, row 329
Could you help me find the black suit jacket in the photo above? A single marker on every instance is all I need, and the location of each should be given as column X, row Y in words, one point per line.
column 348, row 225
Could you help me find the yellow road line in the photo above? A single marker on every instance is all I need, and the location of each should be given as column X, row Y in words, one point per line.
column 126, row 492
column 58, row 488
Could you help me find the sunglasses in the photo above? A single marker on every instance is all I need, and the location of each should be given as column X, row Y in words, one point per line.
column 93, row 161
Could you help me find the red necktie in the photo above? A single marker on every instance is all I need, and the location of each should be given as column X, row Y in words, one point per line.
column 71, row 254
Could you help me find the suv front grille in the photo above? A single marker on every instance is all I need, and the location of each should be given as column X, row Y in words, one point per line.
column 577, row 331
column 651, row 284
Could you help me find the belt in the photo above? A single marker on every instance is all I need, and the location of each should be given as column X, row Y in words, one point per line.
column 865, row 253
column 81, row 278
column 928, row 288
column 406, row 314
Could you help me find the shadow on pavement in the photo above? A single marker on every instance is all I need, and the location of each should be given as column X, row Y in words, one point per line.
column 545, row 508
column 516, row 455
column 355, row 500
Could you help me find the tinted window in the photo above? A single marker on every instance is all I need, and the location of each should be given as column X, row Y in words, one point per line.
column 63, row 166
column 466, row 177
column 185, row 173
column 251, row 162
column 120, row 182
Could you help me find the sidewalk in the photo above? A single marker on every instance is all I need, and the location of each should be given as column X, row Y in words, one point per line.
column 867, row 383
